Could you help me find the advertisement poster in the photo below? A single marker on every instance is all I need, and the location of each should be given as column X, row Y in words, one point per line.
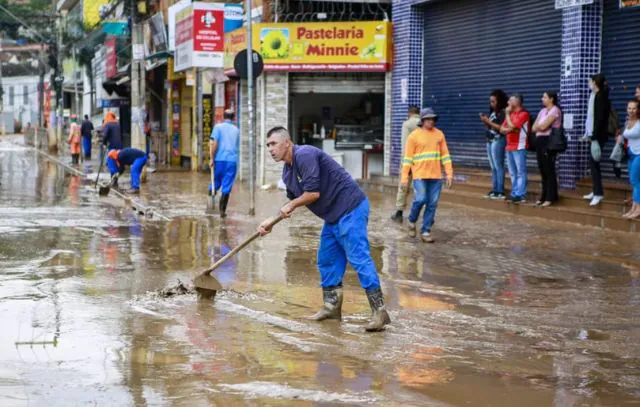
column 184, row 39
column 233, row 14
column 234, row 42
column 172, row 12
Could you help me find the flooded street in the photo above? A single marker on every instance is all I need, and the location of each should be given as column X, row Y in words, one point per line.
column 500, row 311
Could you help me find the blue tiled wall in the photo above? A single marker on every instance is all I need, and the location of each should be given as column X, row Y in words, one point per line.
column 581, row 38
column 408, row 33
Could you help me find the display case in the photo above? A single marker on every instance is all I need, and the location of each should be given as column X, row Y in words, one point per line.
column 362, row 137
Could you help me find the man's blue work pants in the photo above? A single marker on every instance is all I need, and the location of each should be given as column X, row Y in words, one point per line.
column 347, row 240
column 136, row 171
column 224, row 176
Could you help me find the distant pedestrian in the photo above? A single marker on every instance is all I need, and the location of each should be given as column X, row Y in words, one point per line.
column 86, row 130
column 224, row 150
column 425, row 156
column 632, row 134
column 409, row 125
column 117, row 161
column 638, row 93
column 74, row 140
column 496, row 142
column 597, row 132
column 549, row 117
column 111, row 136
column 516, row 128
column 315, row 180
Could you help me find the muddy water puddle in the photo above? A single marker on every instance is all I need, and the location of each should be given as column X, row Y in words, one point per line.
column 499, row 309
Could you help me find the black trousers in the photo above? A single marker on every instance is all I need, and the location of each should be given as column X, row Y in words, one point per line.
column 596, row 173
column 547, row 167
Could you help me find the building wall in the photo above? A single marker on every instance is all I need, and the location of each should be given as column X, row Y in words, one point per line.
column 24, row 110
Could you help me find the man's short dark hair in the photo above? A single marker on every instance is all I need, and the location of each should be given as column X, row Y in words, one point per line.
column 277, row 129
column 228, row 115
column 414, row 109
column 519, row 97
column 86, row 117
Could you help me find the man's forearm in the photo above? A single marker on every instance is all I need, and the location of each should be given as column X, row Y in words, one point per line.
column 307, row 198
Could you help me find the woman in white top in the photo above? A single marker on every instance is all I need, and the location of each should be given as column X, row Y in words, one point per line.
column 632, row 135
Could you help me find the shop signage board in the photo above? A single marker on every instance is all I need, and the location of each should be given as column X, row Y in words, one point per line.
column 172, row 12
column 111, row 58
column 360, row 46
column 560, row 4
column 233, row 15
column 234, row 42
column 629, row 3
column 200, row 36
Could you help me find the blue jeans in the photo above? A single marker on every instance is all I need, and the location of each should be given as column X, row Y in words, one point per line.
column 634, row 175
column 347, row 240
column 136, row 171
column 517, row 161
column 495, row 152
column 427, row 193
column 224, row 176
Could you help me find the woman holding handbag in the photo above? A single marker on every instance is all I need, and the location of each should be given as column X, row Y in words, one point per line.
column 549, row 118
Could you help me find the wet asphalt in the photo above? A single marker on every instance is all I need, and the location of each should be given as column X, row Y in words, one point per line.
column 500, row 311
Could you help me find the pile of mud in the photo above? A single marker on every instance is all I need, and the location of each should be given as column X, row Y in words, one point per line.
column 178, row 289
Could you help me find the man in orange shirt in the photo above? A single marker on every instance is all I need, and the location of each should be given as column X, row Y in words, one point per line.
column 425, row 155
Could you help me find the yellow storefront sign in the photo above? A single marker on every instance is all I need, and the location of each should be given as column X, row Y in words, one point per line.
column 91, row 12
column 338, row 46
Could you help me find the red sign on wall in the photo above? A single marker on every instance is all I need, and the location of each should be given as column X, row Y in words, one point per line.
column 208, row 27
column 111, row 58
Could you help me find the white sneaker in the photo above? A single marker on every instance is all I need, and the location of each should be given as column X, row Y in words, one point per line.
column 427, row 238
column 596, row 200
column 588, row 197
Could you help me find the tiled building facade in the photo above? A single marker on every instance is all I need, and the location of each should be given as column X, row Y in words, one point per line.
column 581, row 46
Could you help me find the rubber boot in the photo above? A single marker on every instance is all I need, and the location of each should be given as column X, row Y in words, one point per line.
column 380, row 316
column 332, row 307
column 224, row 200
column 397, row 217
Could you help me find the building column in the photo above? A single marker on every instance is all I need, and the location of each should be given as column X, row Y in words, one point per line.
column 406, row 80
column 581, row 53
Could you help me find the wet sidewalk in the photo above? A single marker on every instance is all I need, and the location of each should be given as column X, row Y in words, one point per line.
column 498, row 309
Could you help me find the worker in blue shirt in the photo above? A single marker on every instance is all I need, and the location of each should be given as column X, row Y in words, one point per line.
column 224, row 148
column 117, row 160
column 315, row 180
column 111, row 132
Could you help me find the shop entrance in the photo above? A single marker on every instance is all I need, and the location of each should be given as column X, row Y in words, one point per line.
column 342, row 114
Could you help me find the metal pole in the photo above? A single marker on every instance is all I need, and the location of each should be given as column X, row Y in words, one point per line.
column 75, row 84
column 137, row 79
column 252, row 141
column 199, row 124
column 41, row 89
column 59, row 79
column 2, row 127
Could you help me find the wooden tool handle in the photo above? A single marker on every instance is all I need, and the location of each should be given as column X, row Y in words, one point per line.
column 272, row 222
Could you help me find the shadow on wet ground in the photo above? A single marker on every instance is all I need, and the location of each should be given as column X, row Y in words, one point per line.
column 500, row 311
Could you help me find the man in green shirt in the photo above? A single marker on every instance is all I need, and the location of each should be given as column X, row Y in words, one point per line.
column 409, row 125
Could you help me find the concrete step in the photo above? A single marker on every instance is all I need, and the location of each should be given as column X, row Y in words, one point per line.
column 568, row 210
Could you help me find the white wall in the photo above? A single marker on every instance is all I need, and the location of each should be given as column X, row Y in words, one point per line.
column 25, row 112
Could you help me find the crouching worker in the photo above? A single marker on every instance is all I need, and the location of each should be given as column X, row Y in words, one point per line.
column 117, row 160
column 313, row 179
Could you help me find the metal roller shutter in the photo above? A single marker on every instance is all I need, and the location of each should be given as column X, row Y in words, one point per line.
column 620, row 59
column 474, row 46
column 337, row 83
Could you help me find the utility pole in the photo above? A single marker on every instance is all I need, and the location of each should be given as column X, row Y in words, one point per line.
column 199, row 123
column 60, row 80
column 252, row 124
column 75, row 85
column 41, row 89
column 2, row 126
column 137, row 81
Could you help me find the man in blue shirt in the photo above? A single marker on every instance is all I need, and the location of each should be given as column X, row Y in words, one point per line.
column 224, row 149
column 118, row 159
column 317, row 181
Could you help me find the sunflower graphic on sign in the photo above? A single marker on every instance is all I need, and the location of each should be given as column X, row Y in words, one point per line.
column 274, row 43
